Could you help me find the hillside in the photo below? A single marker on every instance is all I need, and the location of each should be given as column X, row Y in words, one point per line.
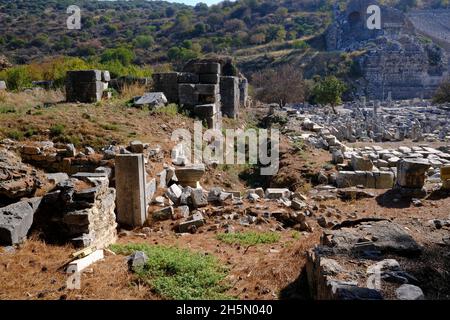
column 160, row 31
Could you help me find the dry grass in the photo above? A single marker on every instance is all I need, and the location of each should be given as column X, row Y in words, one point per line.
column 30, row 98
column 34, row 272
column 129, row 91
column 26, row 117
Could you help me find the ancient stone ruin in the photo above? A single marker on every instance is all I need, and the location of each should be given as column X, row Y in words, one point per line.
column 86, row 86
column 395, row 60
column 207, row 88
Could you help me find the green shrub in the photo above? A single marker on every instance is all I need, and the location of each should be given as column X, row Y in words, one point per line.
column 179, row 274
column 250, row 238
column 30, row 132
column 123, row 55
column 109, row 126
column 18, row 78
column 171, row 109
column 15, row 134
column 442, row 95
column 7, row 109
column 143, row 42
column 57, row 130
column 299, row 44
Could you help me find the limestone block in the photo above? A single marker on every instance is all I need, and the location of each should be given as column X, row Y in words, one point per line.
column 203, row 67
column 196, row 221
column 209, row 78
column 130, row 186
column 190, row 175
column 277, row 193
column 243, row 91
column 81, row 264
column 152, row 99
column 188, row 96
column 205, row 110
column 163, row 214
column 230, row 99
column 361, row 163
column 168, row 84
column 411, row 173
column 15, row 222
column 188, row 77
column 207, row 89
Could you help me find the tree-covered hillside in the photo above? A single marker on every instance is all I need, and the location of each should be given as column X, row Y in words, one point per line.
column 140, row 32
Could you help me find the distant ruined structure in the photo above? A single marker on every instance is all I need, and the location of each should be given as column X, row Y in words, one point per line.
column 209, row 88
column 394, row 61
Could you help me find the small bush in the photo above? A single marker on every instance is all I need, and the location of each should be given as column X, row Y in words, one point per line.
column 7, row 109
column 171, row 109
column 296, row 235
column 57, row 130
column 18, row 78
column 299, row 44
column 30, row 132
column 109, row 127
column 15, row 135
column 250, row 238
column 442, row 95
column 179, row 274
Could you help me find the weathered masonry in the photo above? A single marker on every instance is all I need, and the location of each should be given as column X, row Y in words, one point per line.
column 207, row 88
column 86, row 86
column 133, row 192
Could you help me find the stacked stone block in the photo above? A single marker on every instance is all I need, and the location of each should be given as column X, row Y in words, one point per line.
column 168, row 84
column 197, row 89
column 59, row 158
column 202, row 89
column 230, row 95
column 86, row 86
column 134, row 193
column 82, row 211
column 243, row 92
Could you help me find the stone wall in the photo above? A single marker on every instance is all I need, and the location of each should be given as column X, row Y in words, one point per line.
column 61, row 158
column 403, row 68
column 230, row 93
column 433, row 23
column 394, row 59
column 86, row 86
column 81, row 211
column 206, row 87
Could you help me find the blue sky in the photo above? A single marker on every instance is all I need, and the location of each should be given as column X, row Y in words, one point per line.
column 194, row 2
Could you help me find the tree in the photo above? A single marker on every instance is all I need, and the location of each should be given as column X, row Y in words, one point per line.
column 143, row 42
column 282, row 85
column 258, row 38
column 18, row 78
column 170, row 12
column 329, row 91
column 199, row 29
column 234, row 25
column 123, row 55
column 201, row 8
column 442, row 94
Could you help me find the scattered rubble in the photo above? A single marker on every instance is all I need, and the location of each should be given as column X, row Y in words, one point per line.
column 335, row 268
